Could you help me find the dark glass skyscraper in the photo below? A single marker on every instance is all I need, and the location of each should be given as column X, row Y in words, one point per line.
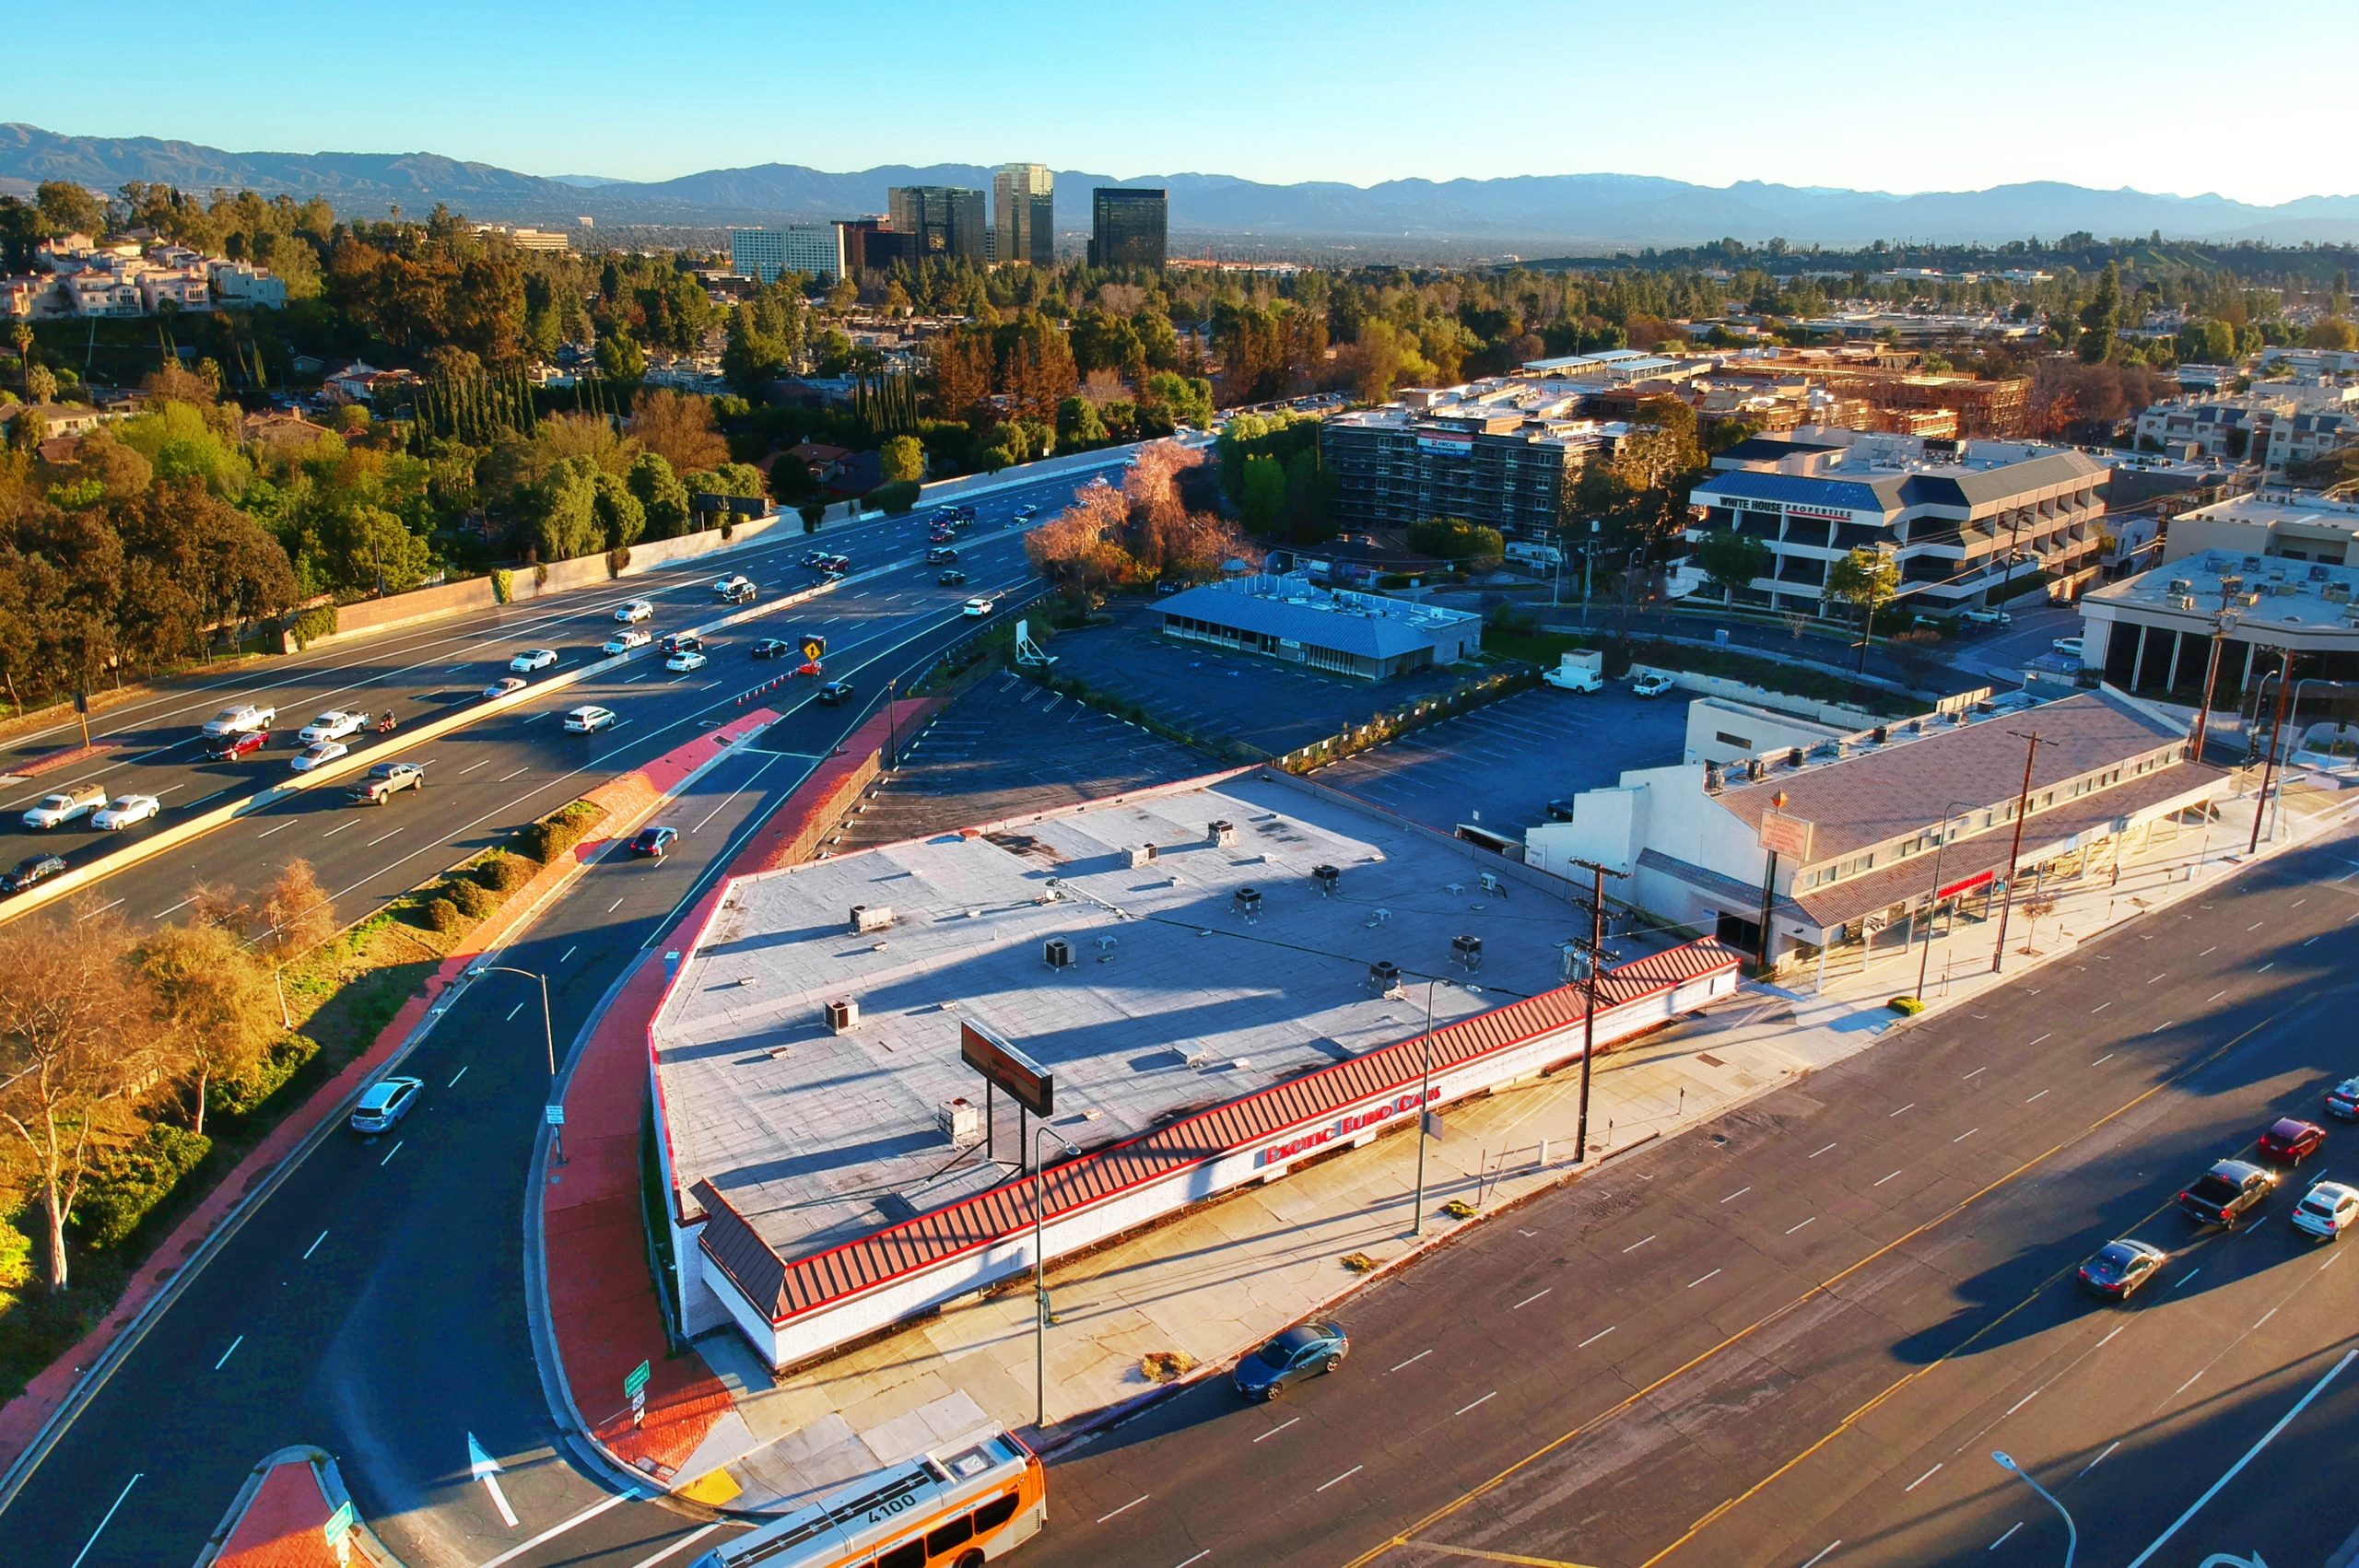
column 943, row 221
column 1127, row 226
column 1024, row 213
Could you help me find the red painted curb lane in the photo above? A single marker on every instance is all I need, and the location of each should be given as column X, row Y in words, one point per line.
column 284, row 1525
column 602, row 1300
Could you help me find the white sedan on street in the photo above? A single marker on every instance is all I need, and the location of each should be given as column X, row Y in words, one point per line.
column 623, row 642
column 333, row 725
column 631, row 610
column 978, row 608
column 685, row 659
column 124, row 809
column 589, row 721
column 320, row 756
column 533, row 658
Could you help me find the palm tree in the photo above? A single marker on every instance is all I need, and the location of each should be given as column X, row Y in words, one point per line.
column 21, row 334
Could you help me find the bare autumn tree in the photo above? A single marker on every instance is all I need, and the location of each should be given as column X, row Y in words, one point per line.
column 77, row 1051
column 214, row 999
column 1081, row 548
column 297, row 914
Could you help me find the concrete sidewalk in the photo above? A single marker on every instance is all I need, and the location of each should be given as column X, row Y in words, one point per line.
column 1214, row 1282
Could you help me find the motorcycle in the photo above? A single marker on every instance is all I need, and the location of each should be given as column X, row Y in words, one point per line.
column 384, row 725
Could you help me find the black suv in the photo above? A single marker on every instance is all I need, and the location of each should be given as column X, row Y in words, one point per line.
column 2227, row 1192
column 30, row 869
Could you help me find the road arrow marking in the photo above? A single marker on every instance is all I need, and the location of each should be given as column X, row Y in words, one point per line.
column 485, row 1468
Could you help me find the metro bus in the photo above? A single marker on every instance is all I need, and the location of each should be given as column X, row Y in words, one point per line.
column 971, row 1502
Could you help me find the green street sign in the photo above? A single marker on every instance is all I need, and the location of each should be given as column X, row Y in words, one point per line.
column 635, row 1380
column 339, row 1523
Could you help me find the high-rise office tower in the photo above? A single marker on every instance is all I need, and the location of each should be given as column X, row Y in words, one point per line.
column 945, row 221
column 1024, row 213
column 1128, row 226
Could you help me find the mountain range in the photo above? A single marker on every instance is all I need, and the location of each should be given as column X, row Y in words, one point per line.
column 1567, row 211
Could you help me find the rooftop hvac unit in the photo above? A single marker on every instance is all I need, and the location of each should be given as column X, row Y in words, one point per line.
column 1383, row 975
column 1141, row 855
column 2280, row 589
column 1466, row 952
column 1883, row 734
column 1794, row 756
column 1756, row 769
column 1493, row 885
column 1328, row 878
column 1222, row 834
column 2336, row 592
column 2182, row 585
column 1247, row 901
column 1711, row 778
column 843, row 1016
column 2181, row 601
column 867, row 918
column 1057, row 953
column 960, row 1122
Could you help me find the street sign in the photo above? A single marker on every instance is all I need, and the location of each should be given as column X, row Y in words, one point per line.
column 1787, row 835
column 814, row 646
column 1033, row 1086
column 555, row 1115
column 1430, row 1124
column 339, row 1523
column 636, row 1379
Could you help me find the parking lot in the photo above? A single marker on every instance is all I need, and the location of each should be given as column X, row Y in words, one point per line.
column 1225, row 697
column 1500, row 766
column 1006, row 747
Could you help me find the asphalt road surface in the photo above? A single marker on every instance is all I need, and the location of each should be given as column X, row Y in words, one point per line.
column 489, row 777
column 1797, row 1334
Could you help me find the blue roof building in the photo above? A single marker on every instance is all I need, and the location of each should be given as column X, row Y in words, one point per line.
column 1366, row 635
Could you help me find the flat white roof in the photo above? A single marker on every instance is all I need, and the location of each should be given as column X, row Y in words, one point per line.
column 1177, row 1000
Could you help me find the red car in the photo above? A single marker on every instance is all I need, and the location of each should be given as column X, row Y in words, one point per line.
column 2290, row 1140
column 226, row 748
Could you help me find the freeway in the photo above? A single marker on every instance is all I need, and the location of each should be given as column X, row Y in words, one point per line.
column 516, row 764
column 374, row 1301
column 1796, row 1333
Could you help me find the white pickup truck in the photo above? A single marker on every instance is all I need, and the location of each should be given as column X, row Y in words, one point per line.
column 241, row 720
column 1579, row 671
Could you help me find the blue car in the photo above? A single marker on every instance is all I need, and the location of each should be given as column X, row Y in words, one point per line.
column 1304, row 1351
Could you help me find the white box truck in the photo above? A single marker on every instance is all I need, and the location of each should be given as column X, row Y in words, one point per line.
column 1578, row 671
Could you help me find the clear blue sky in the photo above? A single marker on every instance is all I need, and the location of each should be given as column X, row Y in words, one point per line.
column 1872, row 94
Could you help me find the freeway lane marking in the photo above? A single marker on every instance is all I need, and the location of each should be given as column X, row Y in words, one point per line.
column 102, row 1523
column 228, row 1353
column 485, row 762
column 463, row 1072
column 334, row 831
column 1914, row 1485
column 1198, row 1558
column 392, row 1152
column 280, row 828
column 1101, row 1518
column 375, row 842
column 100, row 910
column 1693, row 1284
column 2092, row 1464
column 1978, row 1072
column 509, row 1019
column 1811, row 1221
column 1536, row 1295
column 1816, row 1152
column 1273, row 1431
column 1824, row 1287
column 1415, row 1359
column 1483, row 1400
column 1910, row 1106
column 679, row 1545
column 2002, row 1540
column 1344, row 1477
column 1596, row 1336
column 1635, row 1245
column 315, row 1244
column 2250, row 1453
column 1814, row 1562
column 566, row 953
column 1737, row 1194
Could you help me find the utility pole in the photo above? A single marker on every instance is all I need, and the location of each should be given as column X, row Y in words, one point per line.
column 2269, row 764
column 1595, row 950
column 2221, row 624
column 2023, row 804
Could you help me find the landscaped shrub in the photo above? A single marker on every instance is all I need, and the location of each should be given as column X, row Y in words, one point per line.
column 556, row 833
column 242, row 1096
column 310, row 624
column 1906, row 1006
column 441, row 915
column 895, row 497
column 503, row 586
column 473, row 899
column 503, row 872
column 130, row 1181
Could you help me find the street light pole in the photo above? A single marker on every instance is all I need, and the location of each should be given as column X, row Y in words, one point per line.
column 1039, row 1284
column 1596, row 947
column 2268, row 763
column 549, row 1033
column 2023, row 804
column 892, row 725
column 1425, row 1094
column 1934, row 902
column 2072, row 1533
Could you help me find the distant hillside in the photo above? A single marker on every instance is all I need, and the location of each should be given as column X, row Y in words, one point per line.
column 1579, row 211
